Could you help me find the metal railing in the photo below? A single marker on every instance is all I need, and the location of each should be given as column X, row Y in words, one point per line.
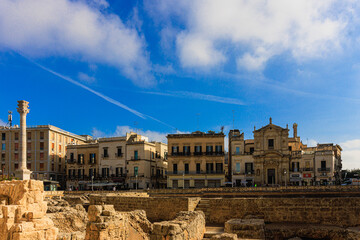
column 323, row 169
column 194, row 172
column 119, row 155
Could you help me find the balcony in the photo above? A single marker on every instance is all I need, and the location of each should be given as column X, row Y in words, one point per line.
column 251, row 172
column 198, row 153
column 194, row 172
column 133, row 177
column 323, row 169
column 104, row 155
column 296, row 154
column 71, row 161
column 308, row 169
column 119, row 155
column 92, row 161
column 214, row 153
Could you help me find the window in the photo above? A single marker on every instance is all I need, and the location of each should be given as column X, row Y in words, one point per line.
column 174, row 150
column 295, row 166
column 136, row 155
column 271, row 143
column 72, row 156
column 92, row 158
column 218, row 149
column 16, row 165
column 28, row 166
column 198, row 168
column 3, row 146
column 41, row 156
column 186, row 167
column 117, row 172
column 41, row 166
column 121, row 171
column 28, row 156
column 16, row 136
column 119, row 151
column 249, row 168
column 136, row 171
column 175, row 169
column 52, row 136
column 251, row 150
column 16, row 146
column 79, row 173
column 3, row 157
column 209, row 168
column 41, row 135
column 16, row 156
column 106, row 153
column 186, row 150
column 52, row 167
column 152, row 155
column 52, row 146
column 237, row 167
column 28, row 134
column 69, row 172
column 80, row 158
column 59, row 139
column 219, row 168
column 237, row 151
column 197, row 150
column 323, row 164
column 28, row 146
column 209, row 149
column 59, row 148
column 59, row 159
column 290, row 148
column 91, row 172
column 41, row 146
column 105, row 172
column 3, row 136
column 59, row 168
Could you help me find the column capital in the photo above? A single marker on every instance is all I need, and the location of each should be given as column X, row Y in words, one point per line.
column 23, row 107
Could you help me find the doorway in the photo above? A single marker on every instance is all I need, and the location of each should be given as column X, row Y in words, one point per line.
column 271, row 176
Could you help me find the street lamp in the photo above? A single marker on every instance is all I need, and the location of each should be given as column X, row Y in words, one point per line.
column 183, row 180
column 285, row 177
column 136, row 181
column 92, row 183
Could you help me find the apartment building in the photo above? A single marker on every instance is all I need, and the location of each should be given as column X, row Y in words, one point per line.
column 46, row 150
column 196, row 160
column 274, row 158
column 129, row 161
column 82, row 165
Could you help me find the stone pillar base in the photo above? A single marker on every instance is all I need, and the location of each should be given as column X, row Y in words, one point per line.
column 23, row 174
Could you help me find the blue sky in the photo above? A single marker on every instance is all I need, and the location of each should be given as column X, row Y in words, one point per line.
column 106, row 67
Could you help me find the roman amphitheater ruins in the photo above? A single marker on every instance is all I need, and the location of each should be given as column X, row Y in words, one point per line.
column 278, row 212
column 316, row 212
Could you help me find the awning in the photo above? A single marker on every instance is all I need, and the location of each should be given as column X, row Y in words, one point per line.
column 103, row 184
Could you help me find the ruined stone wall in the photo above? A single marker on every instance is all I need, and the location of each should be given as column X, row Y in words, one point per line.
column 24, row 211
column 157, row 209
column 336, row 211
column 186, row 226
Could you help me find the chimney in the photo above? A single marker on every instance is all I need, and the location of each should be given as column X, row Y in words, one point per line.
column 295, row 129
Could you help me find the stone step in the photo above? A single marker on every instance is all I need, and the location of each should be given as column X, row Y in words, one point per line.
column 211, row 231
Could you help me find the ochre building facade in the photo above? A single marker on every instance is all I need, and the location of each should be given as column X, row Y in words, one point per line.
column 196, row 160
column 274, row 158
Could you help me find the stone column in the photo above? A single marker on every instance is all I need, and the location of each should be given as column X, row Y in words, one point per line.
column 23, row 173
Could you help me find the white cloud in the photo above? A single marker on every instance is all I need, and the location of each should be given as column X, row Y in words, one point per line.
column 2, row 123
column 74, row 29
column 351, row 154
column 254, row 31
column 86, row 78
column 122, row 130
column 312, row 143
